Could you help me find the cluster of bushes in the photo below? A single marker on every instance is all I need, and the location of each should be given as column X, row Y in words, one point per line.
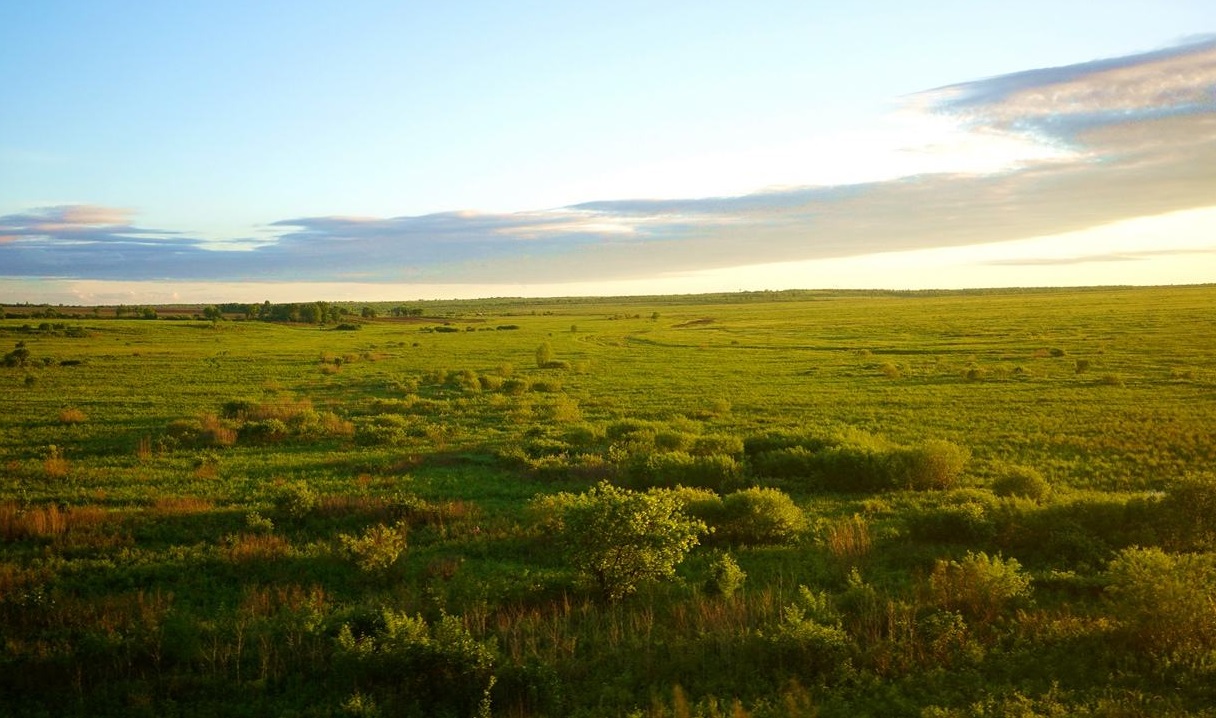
column 856, row 461
column 259, row 423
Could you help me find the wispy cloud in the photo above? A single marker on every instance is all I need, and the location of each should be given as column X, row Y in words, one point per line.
column 1141, row 133
column 1062, row 101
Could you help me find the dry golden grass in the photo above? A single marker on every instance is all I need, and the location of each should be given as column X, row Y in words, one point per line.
column 72, row 415
column 180, row 505
column 46, row 521
column 849, row 540
column 246, row 547
column 214, row 432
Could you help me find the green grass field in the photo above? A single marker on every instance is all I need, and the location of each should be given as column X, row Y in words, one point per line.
column 1001, row 505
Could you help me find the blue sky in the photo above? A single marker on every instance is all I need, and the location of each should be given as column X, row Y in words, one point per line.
column 206, row 151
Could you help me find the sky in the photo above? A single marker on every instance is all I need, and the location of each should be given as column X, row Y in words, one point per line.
column 192, row 151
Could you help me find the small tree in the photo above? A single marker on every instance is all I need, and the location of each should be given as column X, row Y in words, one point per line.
column 544, row 355
column 620, row 538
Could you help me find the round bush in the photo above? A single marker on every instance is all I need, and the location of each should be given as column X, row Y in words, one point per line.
column 760, row 516
column 1022, row 481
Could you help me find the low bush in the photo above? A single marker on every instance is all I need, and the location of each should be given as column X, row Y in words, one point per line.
column 759, row 516
column 1164, row 602
column 725, row 576
column 416, row 668
column 678, row 468
column 979, row 586
column 377, row 548
column 295, row 499
column 962, row 517
column 1021, row 481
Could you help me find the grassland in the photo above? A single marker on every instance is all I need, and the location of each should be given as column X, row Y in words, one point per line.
column 181, row 504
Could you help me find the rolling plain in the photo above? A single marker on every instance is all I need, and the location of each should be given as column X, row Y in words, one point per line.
column 940, row 504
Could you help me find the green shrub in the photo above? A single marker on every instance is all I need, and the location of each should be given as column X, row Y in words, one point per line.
column 723, row 444
column 964, row 517
column 935, row 464
column 790, row 462
column 760, row 516
column 515, row 386
column 678, row 468
column 668, row 440
column 1188, row 513
column 979, row 587
column 703, row 504
column 295, row 499
column 809, row 638
column 420, row 669
column 620, row 538
column 544, row 354
column 1022, row 481
column 378, row 548
column 1164, row 602
column 725, row 576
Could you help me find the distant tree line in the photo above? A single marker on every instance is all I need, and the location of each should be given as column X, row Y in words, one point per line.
column 301, row 312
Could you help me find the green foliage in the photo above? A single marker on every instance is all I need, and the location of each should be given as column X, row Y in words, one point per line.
column 980, row 587
column 858, row 461
column 809, row 638
column 295, row 499
column 415, row 667
column 1164, row 602
column 1022, row 481
column 935, row 464
column 678, row 468
column 759, row 516
column 725, row 576
column 1188, row 513
column 621, row 538
column 378, row 548
column 138, row 569
column 544, row 355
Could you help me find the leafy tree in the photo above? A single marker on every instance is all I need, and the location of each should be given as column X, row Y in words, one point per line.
column 368, row 313
column 544, row 355
column 213, row 313
column 620, row 538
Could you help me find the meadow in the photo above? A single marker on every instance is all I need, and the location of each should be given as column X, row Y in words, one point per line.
column 939, row 504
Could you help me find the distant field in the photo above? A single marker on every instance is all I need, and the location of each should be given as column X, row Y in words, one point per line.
column 181, row 503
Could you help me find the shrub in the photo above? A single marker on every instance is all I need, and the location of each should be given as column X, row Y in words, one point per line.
column 620, row 538
column 724, row 444
column 725, row 576
column 702, row 504
column 378, row 548
column 935, row 464
column 792, row 462
column 966, row 517
column 515, row 386
column 544, row 354
column 1164, row 601
column 424, row 669
column 760, row 516
column 979, row 587
column 809, row 637
column 1187, row 513
column 1022, row 481
column 678, row 468
column 295, row 499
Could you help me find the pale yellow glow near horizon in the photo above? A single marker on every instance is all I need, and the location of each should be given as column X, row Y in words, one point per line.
column 1174, row 248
